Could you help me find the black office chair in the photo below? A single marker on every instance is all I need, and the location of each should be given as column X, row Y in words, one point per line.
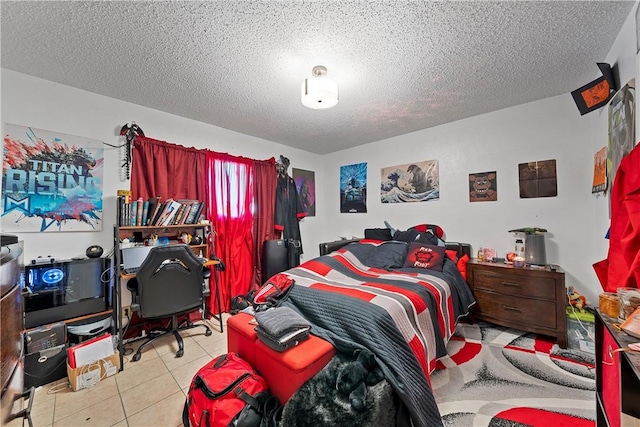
column 170, row 282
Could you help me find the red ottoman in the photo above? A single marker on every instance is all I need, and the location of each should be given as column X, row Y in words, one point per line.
column 241, row 337
column 286, row 372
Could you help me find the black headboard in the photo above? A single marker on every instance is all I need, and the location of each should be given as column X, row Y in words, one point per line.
column 460, row 248
column 327, row 247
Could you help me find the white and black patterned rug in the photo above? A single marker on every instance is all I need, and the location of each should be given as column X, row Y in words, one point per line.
column 498, row 377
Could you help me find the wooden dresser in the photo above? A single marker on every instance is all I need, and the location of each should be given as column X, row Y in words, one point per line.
column 11, row 343
column 529, row 299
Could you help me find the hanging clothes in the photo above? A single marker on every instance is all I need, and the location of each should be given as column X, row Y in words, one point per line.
column 288, row 212
column 621, row 268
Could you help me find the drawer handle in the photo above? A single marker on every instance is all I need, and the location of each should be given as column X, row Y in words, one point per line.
column 610, row 352
column 513, row 285
column 506, row 307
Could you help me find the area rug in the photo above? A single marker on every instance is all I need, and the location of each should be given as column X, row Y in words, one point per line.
column 499, row 377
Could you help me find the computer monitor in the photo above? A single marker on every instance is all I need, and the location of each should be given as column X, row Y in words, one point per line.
column 65, row 289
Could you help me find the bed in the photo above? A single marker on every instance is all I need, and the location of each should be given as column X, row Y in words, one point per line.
column 367, row 294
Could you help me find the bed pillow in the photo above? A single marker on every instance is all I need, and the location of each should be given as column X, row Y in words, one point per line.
column 411, row 235
column 435, row 229
column 425, row 256
column 462, row 265
column 387, row 255
column 453, row 255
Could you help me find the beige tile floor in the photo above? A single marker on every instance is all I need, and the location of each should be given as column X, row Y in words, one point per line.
column 149, row 392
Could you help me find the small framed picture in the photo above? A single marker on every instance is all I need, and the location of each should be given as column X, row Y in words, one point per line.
column 489, row 254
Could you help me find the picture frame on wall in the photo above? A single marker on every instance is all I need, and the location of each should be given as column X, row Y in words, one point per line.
column 538, row 179
column 53, row 181
column 353, row 188
column 483, row 187
column 410, row 182
column 306, row 184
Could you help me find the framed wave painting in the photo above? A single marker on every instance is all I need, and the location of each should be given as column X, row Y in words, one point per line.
column 411, row 182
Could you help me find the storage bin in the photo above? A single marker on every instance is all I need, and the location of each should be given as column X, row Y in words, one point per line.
column 581, row 330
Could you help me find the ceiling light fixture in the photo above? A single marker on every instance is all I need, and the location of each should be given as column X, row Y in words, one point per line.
column 319, row 92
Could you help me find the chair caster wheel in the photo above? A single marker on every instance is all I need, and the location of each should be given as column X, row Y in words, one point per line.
column 180, row 353
column 206, row 334
column 136, row 357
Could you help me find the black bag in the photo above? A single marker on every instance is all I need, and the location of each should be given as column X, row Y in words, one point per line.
column 240, row 302
column 286, row 340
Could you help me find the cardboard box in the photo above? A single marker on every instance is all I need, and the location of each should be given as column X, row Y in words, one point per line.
column 88, row 375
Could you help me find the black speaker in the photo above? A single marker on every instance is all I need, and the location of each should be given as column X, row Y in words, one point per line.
column 275, row 258
column 94, row 251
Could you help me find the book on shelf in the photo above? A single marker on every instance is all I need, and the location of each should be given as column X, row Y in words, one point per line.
column 187, row 208
column 139, row 210
column 155, row 212
column 153, row 203
column 188, row 204
column 120, row 209
column 145, row 212
column 194, row 213
column 133, row 213
column 126, row 194
column 169, row 212
column 159, row 209
column 179, row 214
column 123, row 206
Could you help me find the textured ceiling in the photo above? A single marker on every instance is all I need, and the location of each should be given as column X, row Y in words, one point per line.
column 401, row 66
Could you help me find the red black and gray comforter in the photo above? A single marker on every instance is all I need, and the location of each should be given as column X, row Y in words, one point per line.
column 404, row 316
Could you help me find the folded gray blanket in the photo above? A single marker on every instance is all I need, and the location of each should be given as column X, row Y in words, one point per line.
column 279, row 320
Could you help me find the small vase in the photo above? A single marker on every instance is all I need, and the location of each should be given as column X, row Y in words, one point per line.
column 534, row 249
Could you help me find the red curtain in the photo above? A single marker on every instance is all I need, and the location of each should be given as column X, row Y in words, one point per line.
column 167, row 170
column 230, row 180
column 264, row 192
column 240, row 200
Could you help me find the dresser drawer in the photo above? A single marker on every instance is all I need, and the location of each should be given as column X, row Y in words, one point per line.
column 528, row 312
column 508, row 283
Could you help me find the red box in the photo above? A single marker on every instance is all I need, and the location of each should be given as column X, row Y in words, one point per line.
column 241, row 336
column 286, row 372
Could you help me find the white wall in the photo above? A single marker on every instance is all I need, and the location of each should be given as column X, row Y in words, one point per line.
column 46, row 105
column 548, row 129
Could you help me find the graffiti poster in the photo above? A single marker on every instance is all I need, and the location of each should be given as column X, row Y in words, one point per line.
column 306, row 185
column 483, row 187
column 412, row 182
column 51, row 182
column 353, row 188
